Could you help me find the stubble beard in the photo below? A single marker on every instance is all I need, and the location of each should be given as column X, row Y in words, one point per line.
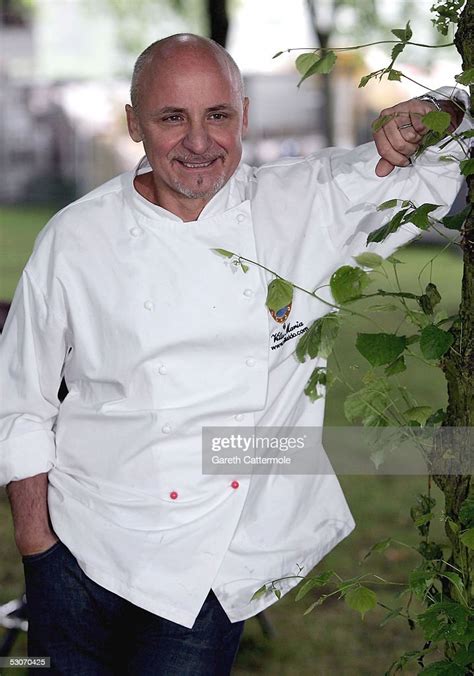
column 196, row 192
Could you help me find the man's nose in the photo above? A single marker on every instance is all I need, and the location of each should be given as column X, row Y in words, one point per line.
column 197, row 139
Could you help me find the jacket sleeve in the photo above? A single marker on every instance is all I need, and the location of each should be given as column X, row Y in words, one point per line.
column 428, row 180
column 32, row 354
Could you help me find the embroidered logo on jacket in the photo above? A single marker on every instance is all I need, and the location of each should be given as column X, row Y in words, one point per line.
column 282, row 314
column 287, row 332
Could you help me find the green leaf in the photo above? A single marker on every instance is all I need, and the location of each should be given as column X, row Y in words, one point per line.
column 379, row 547
column 347, row 283
column 395, row 75
column 385, row 230
column 466, row 77
column 453, row 525
column 361, row 599
column 467, row 538
column 433, row 294
column 330, row 324
column 260, row 592
column 380, row 348
column 369, row 260
column 419, row 580
column 394, row 261
column 245, row 268
column 457, row 221
column 303, row 344
column 277, row 593
column 442, row 668
column 434, row 342
column 318, row 602
column 429, row 550
column 467, row 167
column 389, row 204
column 419, row 414
column 429, row 299
column 384, row 307
column 326, row 63
column 371, row 399
column 224, row 252
column 323, row 66
column 465, row 656
column 456, row 581
column 466, row 513
column 382, row 121
column 437, row 120
column 318, row 581
column 444, row 621
column 425, row 304
column 424, row 519
column 429, row 139
column 316, row 380
column 275, row 56
column 366, row 78
column 397, row 50
column 280, row 294
column 403, row 34
column 304, row 61
column 397, row 366
column 419, row 216
column 319, row 339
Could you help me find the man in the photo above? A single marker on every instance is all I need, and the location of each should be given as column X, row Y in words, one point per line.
column 135, row 560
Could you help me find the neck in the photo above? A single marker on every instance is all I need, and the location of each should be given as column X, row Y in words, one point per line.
column 184, row 207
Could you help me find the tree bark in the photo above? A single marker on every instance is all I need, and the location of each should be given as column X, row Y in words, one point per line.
column 218, row 20
column 458, row 365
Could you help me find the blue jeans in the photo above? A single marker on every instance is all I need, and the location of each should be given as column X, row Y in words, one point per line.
column 87, row 630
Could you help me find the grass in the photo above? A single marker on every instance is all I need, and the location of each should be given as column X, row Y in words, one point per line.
column 332, row 639
column 18, row 229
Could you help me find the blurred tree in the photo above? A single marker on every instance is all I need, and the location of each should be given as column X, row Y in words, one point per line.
column 209, row 17
column 218, row 15
column 361, row 21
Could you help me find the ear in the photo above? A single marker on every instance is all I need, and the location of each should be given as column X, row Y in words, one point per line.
column 133, row 124
column 245, row 118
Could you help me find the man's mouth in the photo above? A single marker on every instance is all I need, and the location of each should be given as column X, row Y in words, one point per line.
column 196, row 165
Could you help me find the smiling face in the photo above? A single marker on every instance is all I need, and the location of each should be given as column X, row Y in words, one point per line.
column 191, row 117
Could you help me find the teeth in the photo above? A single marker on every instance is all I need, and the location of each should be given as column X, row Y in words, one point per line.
column 196, row 166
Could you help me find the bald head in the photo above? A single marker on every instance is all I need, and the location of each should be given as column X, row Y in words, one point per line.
column 169, row 49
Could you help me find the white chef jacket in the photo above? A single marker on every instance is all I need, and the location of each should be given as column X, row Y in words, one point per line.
column 157, row 337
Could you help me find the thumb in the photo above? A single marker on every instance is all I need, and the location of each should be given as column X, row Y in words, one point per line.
column 383, row 168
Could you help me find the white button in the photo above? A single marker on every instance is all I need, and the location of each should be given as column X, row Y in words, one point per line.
column 148, row 305
column 239, row 417
column 135, row 232
column 240, row 218
column 162, row 370
column 166, row 429
column 250, row 361
column 248, row 293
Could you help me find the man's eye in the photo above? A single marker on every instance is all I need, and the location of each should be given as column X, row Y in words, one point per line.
column 172, row 118
column 218, row 116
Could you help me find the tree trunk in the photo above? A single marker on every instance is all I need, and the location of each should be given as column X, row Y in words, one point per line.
column 327, row 108
column 458, row 366
column 218, row 20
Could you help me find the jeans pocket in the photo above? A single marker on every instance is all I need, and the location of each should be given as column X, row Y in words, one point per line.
column 29, row 558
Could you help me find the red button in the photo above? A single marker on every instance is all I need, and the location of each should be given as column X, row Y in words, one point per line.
column 173, row 495
column 235, row 484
